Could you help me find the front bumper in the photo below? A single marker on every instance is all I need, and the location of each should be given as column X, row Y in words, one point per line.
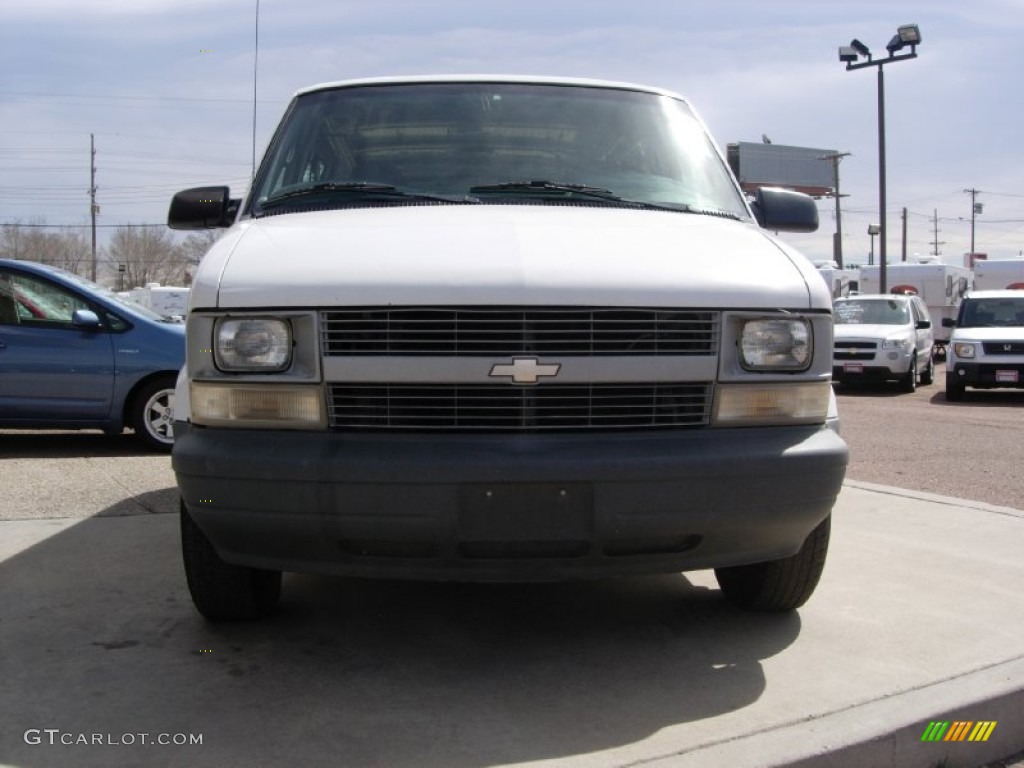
column 988, row 375
column 884, row 365
column 510, row 507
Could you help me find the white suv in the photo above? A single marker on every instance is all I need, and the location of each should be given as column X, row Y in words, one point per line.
column 986, row 349
column 883, row 337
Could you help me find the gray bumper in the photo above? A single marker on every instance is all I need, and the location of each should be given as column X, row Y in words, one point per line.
column 515, row 507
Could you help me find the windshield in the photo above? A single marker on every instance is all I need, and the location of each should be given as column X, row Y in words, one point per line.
column 871, row 312
column 992, row 313
column 492, row 142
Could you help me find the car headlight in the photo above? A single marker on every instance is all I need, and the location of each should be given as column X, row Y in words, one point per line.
column 961, row 349
column 252, row 344
column 902, row 343
column 776, row 344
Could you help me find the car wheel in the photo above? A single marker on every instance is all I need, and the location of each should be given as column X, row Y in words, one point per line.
column 152, row 414
column 954, row 389
column 222, row 591
column 928, row 374
column 908, row 382
column 778, row 585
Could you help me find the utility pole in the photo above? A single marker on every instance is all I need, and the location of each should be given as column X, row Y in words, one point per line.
column 976, row 208
column 935, row 235
column 837, row 244
column 904, row 252
column 93, row 208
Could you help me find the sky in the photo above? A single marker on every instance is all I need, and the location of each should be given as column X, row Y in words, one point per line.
column 174, row 97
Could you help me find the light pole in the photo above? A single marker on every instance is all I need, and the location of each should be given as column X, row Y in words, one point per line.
column 906, row 35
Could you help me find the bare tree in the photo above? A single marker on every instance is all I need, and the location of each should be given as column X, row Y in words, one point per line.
column 195, row 246
column 65, row 248
column 149, row 255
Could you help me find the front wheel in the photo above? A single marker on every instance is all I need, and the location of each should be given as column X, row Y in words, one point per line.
column 222, row 591
column 778, row 585
column 908, row 383
column 954, row 389
column 151, row 414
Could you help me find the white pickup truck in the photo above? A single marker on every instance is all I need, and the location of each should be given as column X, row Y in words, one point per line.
column 502, row 328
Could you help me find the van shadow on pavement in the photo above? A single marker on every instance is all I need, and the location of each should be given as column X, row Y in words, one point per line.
column 100, row 637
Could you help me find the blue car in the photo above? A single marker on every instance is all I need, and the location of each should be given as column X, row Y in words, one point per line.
column 74, row 355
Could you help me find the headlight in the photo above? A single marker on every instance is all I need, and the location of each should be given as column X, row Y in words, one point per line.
column 903, row 344
column 776, row 344
column 252, row 344
column 961, row 349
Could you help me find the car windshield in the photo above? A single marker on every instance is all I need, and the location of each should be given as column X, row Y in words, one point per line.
column 493, row 143
column 871, row 312
column 992, row 313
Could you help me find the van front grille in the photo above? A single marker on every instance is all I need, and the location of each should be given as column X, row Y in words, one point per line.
column 509, row 408
column 500, row 331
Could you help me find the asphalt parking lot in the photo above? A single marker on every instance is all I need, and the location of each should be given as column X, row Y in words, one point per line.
column 919, row 618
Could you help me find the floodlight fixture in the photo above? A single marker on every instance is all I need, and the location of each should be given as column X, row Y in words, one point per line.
column 908, row 34
column 847, row 53
column 860, row 48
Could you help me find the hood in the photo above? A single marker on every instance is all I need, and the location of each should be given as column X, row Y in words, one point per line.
column 503, row 255
column 869, row 331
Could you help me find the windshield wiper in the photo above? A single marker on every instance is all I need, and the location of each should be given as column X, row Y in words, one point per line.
column 559, row 191
column 546, row 187
column 362, row 190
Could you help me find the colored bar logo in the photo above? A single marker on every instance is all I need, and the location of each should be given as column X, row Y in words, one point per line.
column 959, row 730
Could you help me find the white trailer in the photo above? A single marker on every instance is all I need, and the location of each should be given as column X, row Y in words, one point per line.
column 840, row 282
column 998, row 274
column 166, row 300
column 941, row 285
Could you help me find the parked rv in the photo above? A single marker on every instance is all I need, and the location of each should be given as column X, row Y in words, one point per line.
column 998, row 274
column 840, row 282
column 166, row 300
column 942, row 286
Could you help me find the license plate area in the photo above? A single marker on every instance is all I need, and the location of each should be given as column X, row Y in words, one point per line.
column 533, row 512
column 1007, row 377
column 853, row 367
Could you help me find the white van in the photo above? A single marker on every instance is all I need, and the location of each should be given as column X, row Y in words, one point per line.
column 502, row 328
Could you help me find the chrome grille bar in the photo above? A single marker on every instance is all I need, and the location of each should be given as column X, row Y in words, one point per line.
column 493, row 331
column 507, row 408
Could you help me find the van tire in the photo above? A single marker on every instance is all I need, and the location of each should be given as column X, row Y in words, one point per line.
column 778, row 585
column 222, row 591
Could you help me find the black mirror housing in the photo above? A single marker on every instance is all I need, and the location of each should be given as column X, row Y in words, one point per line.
column 202, row 208
column 784, row 210
column 948, row 322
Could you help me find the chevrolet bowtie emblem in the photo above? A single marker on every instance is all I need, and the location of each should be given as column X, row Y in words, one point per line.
column 525, row 370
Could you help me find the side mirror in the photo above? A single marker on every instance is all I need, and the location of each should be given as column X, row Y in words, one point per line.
column 85, row 319
column 202, row 208
column 923, row 325
column 784, row 210
column 948, row 322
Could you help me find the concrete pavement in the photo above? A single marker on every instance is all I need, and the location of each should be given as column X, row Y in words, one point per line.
column 919, row 617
